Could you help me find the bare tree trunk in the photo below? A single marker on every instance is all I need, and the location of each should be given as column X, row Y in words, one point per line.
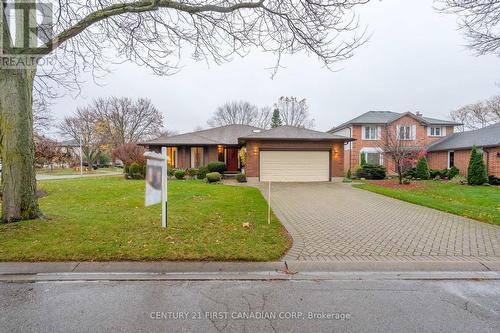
column 400, row 174
column 17, row 146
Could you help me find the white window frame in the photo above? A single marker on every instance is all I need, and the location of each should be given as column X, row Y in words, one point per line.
column 412, row 132
column 442, row 131
column 373, row 130
column 372, row 150
column 448, row 155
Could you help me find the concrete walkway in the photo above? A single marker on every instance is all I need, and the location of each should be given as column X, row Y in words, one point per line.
column 336, row 222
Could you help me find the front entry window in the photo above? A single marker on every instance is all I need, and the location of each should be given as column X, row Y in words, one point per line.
column 196, row 157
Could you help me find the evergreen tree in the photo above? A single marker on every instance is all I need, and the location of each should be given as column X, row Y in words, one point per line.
column 276, row 119
column 422, row 171
column 476, row 172
column 363, row 159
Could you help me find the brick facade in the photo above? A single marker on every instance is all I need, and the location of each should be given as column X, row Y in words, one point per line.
column 254, row 147
column 439, row 160
column 421, row 139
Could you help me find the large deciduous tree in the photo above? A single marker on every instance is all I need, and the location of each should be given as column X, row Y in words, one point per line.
column 294, row 112
column 127, row 121
column 479, row 20
column 240, row 113
column 478, row 115
column 83, row 127
column 152, row 33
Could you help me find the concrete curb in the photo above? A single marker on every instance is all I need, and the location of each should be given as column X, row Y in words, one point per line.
column 9, row 268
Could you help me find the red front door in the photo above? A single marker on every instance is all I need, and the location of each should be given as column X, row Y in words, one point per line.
column 232, row 159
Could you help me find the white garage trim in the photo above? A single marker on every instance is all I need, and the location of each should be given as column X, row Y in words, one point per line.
column 295, row 165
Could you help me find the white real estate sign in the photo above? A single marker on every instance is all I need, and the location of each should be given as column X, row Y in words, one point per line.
column 156, row 181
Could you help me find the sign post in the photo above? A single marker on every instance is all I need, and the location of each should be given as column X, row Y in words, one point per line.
column 156, row 182
column 164, row 198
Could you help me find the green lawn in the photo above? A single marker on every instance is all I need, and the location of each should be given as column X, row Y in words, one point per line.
column 477, row 202
column 71, row 171
column 104, row 218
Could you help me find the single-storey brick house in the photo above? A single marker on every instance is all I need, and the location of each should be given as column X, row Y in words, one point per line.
column 283, row 154
column 455, row 149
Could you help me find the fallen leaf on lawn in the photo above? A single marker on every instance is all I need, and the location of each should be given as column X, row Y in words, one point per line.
column 246, row 225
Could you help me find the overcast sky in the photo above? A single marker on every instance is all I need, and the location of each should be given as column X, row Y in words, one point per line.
column 415, row 61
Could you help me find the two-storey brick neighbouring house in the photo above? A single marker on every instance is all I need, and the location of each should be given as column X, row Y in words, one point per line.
column 369, row 128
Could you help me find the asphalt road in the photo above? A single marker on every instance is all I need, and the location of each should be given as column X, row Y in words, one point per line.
column 251, row 306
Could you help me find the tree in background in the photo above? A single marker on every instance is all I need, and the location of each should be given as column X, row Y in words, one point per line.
column 83, row 126
column 240, row 113
column 478, row 115
column 476, row 172
column 479, row 22
column 47, row 151
column 422, row 170
column 294, row 112
column 150, row 34
column 127, row 121
column 276, row 119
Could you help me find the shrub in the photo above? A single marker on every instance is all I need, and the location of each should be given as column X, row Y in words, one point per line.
column 348, row 175
column 494, row 180
column 170, row 172
column 202, row 172
column 179, row 174
column 219, row 167
column 438, row 173
column 453, row 172
column 363, row 160
column 135, row 171
column 422, row 170
column 241, row 178
column 130, row 153
column 346, row 180
column 410, row 173
column 192, row 172
column 371, row 171
column 406, row 181
column 476, row 172
column 213, row 177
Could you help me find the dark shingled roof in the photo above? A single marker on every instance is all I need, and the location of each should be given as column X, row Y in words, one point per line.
column 225, row 135
column 484, row 137
column 293, row 133
column 386, row 117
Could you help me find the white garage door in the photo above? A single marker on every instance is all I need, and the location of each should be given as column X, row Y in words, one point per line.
column 294, row 166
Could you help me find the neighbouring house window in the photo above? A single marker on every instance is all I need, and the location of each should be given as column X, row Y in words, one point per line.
column 406, row 132
column 370, row 133
column 172, row 157
column 436, row 131
column 196, row 157
column 451, row 159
